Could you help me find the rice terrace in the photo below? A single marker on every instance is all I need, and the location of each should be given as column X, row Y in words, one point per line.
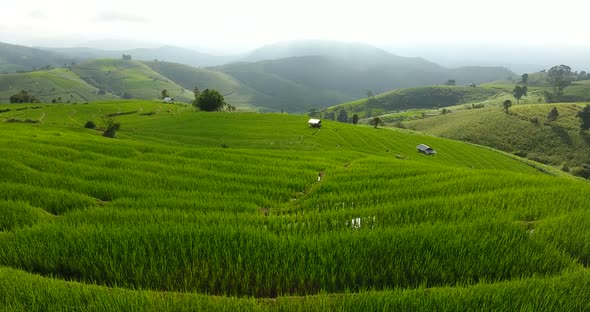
column 234, row 211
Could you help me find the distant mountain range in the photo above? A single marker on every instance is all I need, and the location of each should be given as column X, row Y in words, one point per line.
column 293, row 77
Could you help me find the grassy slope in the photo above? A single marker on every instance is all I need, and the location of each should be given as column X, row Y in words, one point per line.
column 164, row 207
column 235, row 93
column 131, row 77
column 50, row 84
column 416, row 98
column 555, row 143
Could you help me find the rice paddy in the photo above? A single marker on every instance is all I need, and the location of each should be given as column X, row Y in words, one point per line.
column 195, row 211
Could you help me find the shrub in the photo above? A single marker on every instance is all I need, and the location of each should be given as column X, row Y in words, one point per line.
column 90, row 125
column 112, row 128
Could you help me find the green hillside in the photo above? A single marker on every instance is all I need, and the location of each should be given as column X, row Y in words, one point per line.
column 525, row 131
column 258, row 212
column 234, row 92
column 427, row 97
column 47, row 85
column 129, row 79
column 15, row 58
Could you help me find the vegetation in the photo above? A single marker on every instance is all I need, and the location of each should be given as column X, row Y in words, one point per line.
column 209, row 100
column 23, row 97
column 164, row 218
column 560, row 77
column 506, row 105
column 584, row 116
column 555, row 142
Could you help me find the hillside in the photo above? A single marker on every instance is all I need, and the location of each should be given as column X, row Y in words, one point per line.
column 428, row 97
column 258, row 212
column 234, row 92
column 48, row 85
column 129, row 79
column 348, row 79
column 524, row 132
column 15, row 58
column 164, row 53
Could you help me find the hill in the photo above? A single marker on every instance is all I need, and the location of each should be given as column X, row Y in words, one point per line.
column 235, row 93
column 163, row 53
column 129, row 79
column 427, row 97
column 525, row 131
column 243, row 211
column 15, row 58
column 48, row 85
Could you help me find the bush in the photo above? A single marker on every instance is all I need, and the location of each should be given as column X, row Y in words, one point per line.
column 90, row 125
column 112, row 128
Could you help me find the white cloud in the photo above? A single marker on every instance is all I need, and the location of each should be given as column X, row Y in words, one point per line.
column 120, row 17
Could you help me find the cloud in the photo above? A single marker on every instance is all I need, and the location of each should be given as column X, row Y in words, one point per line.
column 120, row 17
column 37, row 15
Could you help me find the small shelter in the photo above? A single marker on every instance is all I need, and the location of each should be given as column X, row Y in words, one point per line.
column 315, row 123
column 168, row 100
column 422, row 148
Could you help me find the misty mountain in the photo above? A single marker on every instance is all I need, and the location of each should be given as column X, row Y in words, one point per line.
column 16, row 58
column 351, row 77
column 163, row 53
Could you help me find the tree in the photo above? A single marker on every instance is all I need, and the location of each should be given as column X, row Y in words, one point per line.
column 370, row 94
column 164, row 94
column 210, row 100
column 23, row 97
column 330, row 115
column 196, row 92
column 560, row 77
column 584, row 116
column 376, row 122
column 342, row 115
column 519, row 92
column 553, row 114
column 507, row 104
column 112, row 128
column 524, row 79
column 314, row 112
column 355, row 119
column 126, row 57
column 450, row 82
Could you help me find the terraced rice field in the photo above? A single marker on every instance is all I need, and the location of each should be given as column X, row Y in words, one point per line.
column 254, row 212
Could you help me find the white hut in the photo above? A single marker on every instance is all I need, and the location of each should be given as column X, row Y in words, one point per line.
column 315, row 123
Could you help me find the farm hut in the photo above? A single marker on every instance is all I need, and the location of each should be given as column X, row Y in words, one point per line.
column 315, row 123
column 168, row 100
column 422, row 148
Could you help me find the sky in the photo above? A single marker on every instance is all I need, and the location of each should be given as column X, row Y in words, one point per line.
column 232, row 26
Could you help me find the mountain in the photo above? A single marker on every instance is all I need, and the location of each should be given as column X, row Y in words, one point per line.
column 163, row 53
column 129, row 79
column 15, row 58
column 337, row 79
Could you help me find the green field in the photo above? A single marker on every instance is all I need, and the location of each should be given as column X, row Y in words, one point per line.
column 189, row 211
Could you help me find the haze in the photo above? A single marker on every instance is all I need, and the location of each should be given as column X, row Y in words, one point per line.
column 438, row 30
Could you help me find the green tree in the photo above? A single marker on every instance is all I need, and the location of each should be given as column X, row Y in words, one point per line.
column 370, row 94
column 584, row 116
column 342, row 115
column 376, row 121
column 210, row 100
column 23, row 97
column 112, row 128
column 197, row 93
column 355, row 119
column 330, row 115
column 553, row 114
column 519, row 92
column 524, row 79
column 164, row 94
column 314, row 112
column 560, row 77
column 507, row 104
column 451, row 82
